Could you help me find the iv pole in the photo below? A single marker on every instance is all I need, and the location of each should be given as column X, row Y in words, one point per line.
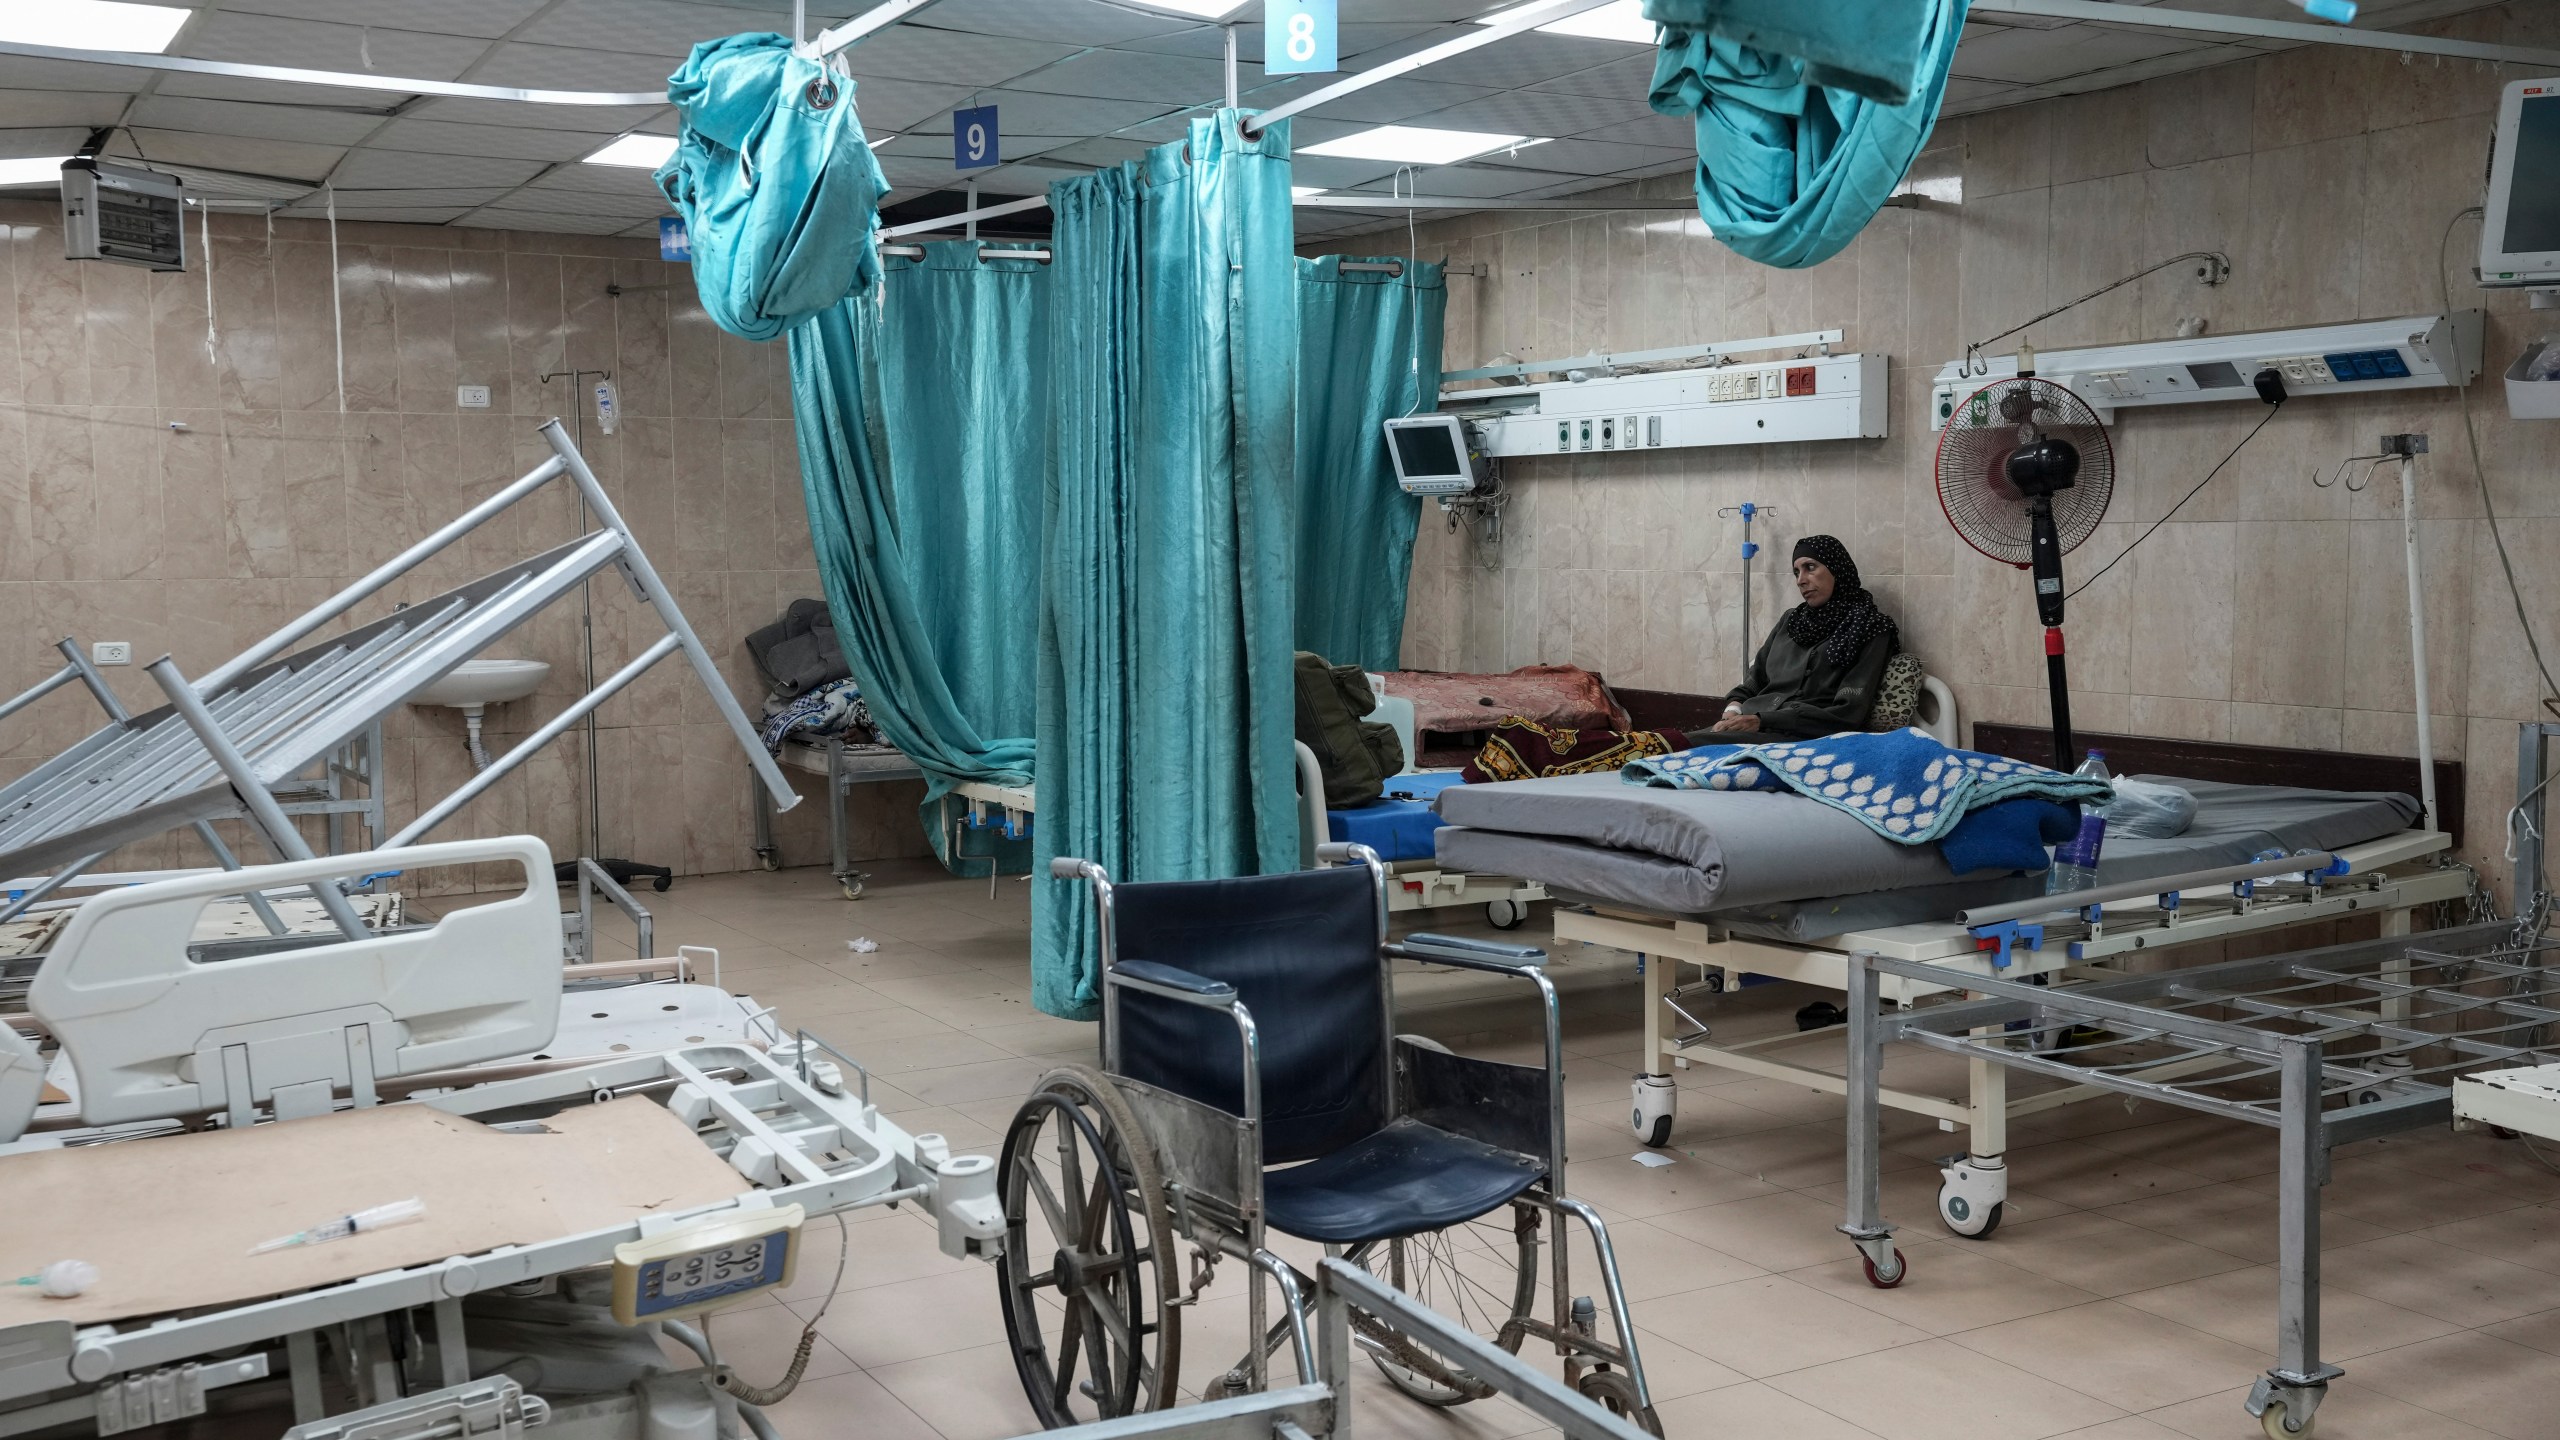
column 1749, row 511
column 594, row 846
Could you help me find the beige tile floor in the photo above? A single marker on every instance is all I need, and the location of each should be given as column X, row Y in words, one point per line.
column 2129, row 1294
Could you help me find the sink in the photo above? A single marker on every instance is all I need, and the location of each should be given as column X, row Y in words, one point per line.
column 475, row 683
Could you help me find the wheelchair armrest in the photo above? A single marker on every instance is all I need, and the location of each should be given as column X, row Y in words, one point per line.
column 1173, row 983
column 1469, row 953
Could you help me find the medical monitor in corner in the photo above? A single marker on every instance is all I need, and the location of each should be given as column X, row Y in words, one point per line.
column 1434, row 455
column 2520, row 237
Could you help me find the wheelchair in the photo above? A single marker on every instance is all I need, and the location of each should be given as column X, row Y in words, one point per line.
column 1252, row 1080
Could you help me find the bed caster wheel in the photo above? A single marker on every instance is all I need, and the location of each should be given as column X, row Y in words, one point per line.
column 2275, row 1421
column 1972, row 1196
column 769, row 860
column 1657, row 1100
column 1889, row 1274
column 1506, row 914
column 1819, row 1015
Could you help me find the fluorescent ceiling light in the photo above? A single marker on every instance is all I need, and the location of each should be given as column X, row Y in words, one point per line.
column 1301, row 192
column 1414, row 145
column 879, row 140
column 1205, row 9
column 646, row 152
column 47, row 171
column 1622, row 21
column 92, row 24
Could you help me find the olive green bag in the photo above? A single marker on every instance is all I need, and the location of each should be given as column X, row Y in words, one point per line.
column 1355, row 755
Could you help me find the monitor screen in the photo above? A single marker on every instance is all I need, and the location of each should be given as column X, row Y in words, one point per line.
column 1427, row 451
column 2533, row 196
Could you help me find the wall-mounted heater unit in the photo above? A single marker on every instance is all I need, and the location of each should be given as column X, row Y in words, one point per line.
column 1680, row 398
column 118, row 212
column 2411, row 353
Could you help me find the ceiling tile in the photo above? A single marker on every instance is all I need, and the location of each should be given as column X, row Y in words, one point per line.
column 18, row 72
column 277, row 92
column 423, row 199
column 21, row 109
column 36, row 142
column 320, row 45
column 1061, row 117
column 1131, row 75
column 652, row 27
column 550, row 196
column 1669, row 132
column 591, row 119
column 316, row 124
column 1591, row 157
column 1629, row 78
column 284, row 158
column 1359, row 40
column 383, row 169
column 2031, row 57
column 555, row 67
column 913, row 52
column 887, row 104
column 1061, row 22
column 384, row 214
column 1525, row 60
column 1539, row 112
column 487, row 19
column 521, row 142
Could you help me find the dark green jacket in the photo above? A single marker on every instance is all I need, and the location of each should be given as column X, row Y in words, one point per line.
column 1799, row 691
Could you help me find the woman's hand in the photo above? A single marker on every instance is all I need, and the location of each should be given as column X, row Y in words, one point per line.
column 1733, row 724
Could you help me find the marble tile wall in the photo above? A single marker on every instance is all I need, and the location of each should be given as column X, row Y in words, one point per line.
column 187, row 481
column 2270, row 610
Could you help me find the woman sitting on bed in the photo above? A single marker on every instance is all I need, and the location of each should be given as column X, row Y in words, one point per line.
column 1819, row 670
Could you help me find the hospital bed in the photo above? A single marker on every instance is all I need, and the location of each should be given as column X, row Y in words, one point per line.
column 843, row 765
column 2324, row 1048
column 217, row 1106
column 1772, row 885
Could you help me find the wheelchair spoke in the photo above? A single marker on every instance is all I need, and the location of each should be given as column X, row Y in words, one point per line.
column 1069, row 1348
column 1038, row 1185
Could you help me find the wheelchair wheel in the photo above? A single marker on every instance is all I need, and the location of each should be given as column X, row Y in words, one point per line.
column 1612, row 1391
column 1483, row 1274
column 1089, row 1255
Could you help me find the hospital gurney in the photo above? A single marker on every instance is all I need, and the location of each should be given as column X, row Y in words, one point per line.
column 1770, row 843
column 644, row 1163
column 844, row 767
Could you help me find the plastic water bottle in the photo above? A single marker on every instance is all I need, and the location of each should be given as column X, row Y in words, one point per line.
column 2075, row 861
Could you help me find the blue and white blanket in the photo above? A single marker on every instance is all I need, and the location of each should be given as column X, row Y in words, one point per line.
column 835, row 708
column 1903, row 784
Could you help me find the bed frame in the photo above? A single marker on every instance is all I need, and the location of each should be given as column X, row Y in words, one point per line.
column 2239, row 764
column 2391, row 878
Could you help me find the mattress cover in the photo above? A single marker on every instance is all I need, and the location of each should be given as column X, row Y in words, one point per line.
column 1786, row 868
column 1397, row 828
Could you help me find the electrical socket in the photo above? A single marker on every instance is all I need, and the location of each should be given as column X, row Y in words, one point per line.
column 112, row 652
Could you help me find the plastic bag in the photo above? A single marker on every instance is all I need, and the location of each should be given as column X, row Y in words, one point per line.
column 2148, row 810
column 2545, row 366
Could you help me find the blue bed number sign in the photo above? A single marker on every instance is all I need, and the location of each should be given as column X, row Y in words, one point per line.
column 675, row 243
column 973, row 138
column 1300, row 37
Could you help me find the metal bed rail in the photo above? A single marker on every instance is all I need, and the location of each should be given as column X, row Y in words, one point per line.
column 226, row 742
column 2325, row 1047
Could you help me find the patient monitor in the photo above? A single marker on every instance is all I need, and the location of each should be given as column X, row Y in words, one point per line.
column 2520, row 234
column 1434, row 455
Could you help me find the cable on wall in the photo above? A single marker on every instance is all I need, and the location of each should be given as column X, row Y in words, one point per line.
column 337, row 305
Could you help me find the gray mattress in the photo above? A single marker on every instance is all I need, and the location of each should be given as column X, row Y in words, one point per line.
column 1787, row 868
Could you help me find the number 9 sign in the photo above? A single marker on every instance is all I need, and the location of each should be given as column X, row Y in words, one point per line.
column 1300, row 37
column 973, row 139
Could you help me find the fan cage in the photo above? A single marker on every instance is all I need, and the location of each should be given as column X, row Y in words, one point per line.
column 1971, row 472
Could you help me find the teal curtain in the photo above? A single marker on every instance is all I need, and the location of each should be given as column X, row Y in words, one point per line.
column 1791, row 169
column 1867, row 47
column 1165, row 721
column 1368, row 352
column 870, row 559
column 965, row 406
column 778, row 187
column 962, row 355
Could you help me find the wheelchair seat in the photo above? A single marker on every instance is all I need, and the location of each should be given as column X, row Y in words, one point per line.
column 1402, row 1180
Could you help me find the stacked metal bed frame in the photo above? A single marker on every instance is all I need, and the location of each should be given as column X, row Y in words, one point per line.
column 2324, row 1047
column 276, row 731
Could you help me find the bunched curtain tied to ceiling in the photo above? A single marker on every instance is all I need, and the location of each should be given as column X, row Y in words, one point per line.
column 1166, row 614
column 1808, row 114
column 778, row 187
column 1368, row 352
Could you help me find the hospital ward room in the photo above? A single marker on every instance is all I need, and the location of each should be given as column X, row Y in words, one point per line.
column 1279, row 719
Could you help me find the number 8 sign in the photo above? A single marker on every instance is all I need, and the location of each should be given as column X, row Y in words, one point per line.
column 973, row 138
column 1299, row 37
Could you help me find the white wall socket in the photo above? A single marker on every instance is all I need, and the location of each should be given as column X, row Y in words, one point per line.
column 471, row 397
column 112, row 652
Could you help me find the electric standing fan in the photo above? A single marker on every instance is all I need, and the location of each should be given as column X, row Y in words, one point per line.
column 2024, row 475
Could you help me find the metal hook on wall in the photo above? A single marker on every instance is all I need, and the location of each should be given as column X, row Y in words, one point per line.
column 2354, row 487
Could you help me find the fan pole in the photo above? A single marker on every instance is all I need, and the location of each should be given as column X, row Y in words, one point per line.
column 2046, row 562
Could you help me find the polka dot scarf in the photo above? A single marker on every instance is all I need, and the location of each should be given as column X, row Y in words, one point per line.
column 1843, row 624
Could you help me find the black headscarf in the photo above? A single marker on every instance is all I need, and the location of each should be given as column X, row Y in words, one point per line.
column 1843, row 624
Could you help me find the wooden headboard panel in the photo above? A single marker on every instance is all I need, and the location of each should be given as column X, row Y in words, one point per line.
column 2238, row 764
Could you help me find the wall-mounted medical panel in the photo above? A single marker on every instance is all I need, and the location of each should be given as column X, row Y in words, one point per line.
column 1834, row 397
column 2411, row 353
